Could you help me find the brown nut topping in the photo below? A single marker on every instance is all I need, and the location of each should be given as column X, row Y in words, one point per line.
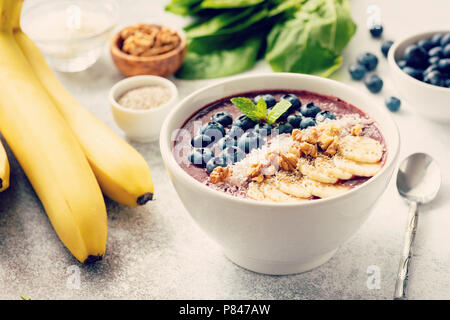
column 308, row 149
column 254, row 170
column 356, row 130
column 220, row 174
column 148, row 40
column 333, row 147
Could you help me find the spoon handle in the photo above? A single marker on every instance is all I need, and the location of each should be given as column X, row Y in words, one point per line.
column 402, row 275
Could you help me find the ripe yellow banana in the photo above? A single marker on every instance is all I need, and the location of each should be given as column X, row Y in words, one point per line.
column 123, row 174
column 48, row 151
column 4, row 169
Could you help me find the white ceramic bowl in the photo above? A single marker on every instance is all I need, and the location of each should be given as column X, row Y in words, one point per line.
column 278, row 238
column 430, row 101
column 141, row 125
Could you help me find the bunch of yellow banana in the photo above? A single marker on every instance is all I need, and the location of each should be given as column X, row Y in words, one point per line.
column 66, row 153
column 4, row 169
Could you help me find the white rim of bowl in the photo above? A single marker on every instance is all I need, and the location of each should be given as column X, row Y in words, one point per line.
column 167, row 83
column 395, row 47
column 171, row 163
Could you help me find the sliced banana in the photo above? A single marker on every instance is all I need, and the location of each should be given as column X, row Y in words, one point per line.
column 361, row 149
column 271, row 192
column 293, row 186
column 322, row 169
column 326, row 190
column 254, row 192
column 357, row 168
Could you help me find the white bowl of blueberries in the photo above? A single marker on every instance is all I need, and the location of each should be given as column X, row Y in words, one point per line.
column 420, row 68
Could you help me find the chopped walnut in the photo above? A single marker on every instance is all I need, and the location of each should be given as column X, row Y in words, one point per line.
column 297, row 135
column 325, row 140
column 333, row 147
column 308, row 149
column 311, row 136
column 330, row 129
column 356, row 130
column 255, row 170
column 219, row 174
column 148, row 40
column 285, row 161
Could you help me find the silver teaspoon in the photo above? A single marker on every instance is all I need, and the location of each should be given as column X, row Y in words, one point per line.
column 418, row 181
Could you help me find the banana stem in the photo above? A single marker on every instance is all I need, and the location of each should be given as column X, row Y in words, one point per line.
column 16, row 16
column 10, row 17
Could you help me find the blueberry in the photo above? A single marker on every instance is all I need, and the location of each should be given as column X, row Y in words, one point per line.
column 446, row 51
column 376, row 30
column 214, row 163
column 224, row 118
column 294, row 120
column 373, row 83
column 368, row 60
column 235, row 132
column 434, row 78
column 416, row 56
column 444, row 65
column 427, row 45
column 433, row 60
column 214, row 130
column 308, row 121
column 435, row 52
column 447, row 83
column 436, row 39
column 385, row 46
column 357, row 71
column 263, row 128
column 268, row 98
column 200, row 156
column 310, row 110
column 285, row 128
column 415, row 73
column 232, row 155
column 249, row 141
column 227, row 141
column 392, row 103
column 431, row 68
column 294, row 100
column 401, row 63
column 244, row 122
column 445, row 40
column 201, row 141
column 322, row 115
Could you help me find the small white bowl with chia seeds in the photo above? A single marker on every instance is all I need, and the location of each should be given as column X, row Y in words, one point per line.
column 140, row 105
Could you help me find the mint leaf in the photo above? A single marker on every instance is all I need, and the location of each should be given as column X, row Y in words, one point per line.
column 261, row 109
column 276, row 112
column 247, row 107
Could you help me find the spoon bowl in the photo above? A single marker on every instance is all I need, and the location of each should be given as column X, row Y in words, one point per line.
column 419, row 178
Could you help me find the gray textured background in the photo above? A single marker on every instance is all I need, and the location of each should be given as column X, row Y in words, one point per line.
column 157, row 252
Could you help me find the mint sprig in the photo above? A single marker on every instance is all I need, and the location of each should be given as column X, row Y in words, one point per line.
column 258, row 112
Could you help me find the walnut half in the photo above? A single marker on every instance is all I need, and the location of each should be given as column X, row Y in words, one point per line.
column 219, row 174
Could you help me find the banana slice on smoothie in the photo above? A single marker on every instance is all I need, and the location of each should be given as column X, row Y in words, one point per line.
column 361, row 149
column 326, row 190
column 359, row 169
column 292, row 185
column 322, row 169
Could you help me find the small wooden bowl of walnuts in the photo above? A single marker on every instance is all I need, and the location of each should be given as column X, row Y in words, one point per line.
column 147, row 49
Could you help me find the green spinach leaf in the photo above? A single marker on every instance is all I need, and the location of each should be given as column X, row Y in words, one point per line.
column 312, row 41
column 222, row 62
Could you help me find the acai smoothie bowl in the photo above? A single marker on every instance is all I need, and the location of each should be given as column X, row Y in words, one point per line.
column 280, row 169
